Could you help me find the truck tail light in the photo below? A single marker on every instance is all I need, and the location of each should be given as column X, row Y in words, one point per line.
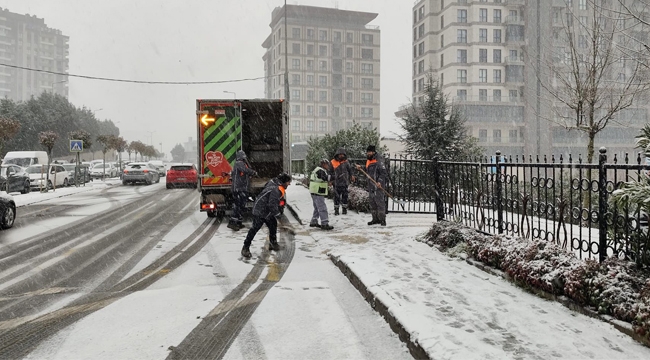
column 209, row 206
column 146, row 171
column 126, row 171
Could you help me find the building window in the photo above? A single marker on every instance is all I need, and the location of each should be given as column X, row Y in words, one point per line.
column 482, row 75
column 295, row 64
column 322, row 65
column 461, row 95
column 421, row 64
column 482, row 15
column 310, row 34
column 442, row 41
column 349, row 67
column 582, row 4
column 367, row 39
column 322, row 127
column 582, row 41
column 348, row 96
column 349, row 37
column 461, row 36
column 482, row 35
column 496, row 18
column 462, row 16
column 310, row 49
column 482, row 94
column 295, row 33
column 322, row 50
column 310, row 125
column 366, row 98
column 461, row 56
column 295, row 79
column 366, row 83
column 322, row 111
column 415, row 51
column 421, row 13
column 310, row 93
column 496, row 95
column 442, row 22
column 322, row 95
column 482, row 55
column 496, row 56
column 496, row 76
column 415, row 87
column 337, row 36
column 496, row 136
column 367, row 54
column 442, row 79
column 349, row 82
column 513, row 15
column 348, row 52
column 366, row 112
column 421, row 30
column 322, row 80
column 583, row 21
column 295, row 109
column 462, row 76
column 513, row 55
column 295, row 94
column 295, row 49
column 496, row 34
column 310, row 80
column 348, row 111
column 421, row 48
column 322, row 35
column 310, row 110
column 512, row 136
column 421, row 84
column 296, row 125
column 513, row 95
column 482, row 135
column 367, row 68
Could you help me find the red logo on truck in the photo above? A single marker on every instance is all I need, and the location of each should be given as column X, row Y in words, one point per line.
column 218, row 165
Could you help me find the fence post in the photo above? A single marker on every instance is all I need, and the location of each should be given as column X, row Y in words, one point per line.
column 440, row 213
column 602, row 205
column 499, row 193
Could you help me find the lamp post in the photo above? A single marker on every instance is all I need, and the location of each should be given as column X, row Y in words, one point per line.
column 231, row 92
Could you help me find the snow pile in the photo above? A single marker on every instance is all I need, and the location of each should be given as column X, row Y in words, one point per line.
column 614, row 287
column 358, row 199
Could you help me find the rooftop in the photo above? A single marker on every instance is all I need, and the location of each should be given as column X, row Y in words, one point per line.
column 329, row 15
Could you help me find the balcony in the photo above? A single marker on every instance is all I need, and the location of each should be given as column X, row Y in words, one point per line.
column 514, row 60
column 515, row 2
column 514, row 20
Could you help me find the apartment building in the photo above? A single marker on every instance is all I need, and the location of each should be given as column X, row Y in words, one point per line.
column 486, row 54
column 26, row 41
column 333, row 64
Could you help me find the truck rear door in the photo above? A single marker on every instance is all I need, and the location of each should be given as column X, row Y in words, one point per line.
column 220, row 136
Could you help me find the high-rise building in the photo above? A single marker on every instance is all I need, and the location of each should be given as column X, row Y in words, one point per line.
column 333, row 64
column 26, row 41
column 488, row 56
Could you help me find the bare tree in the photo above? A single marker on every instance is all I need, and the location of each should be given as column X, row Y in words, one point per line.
column 591, row 78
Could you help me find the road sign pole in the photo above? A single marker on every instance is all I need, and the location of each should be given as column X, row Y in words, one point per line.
column 77, row 172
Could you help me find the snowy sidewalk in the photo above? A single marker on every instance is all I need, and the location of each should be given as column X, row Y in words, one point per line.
column 450, row 308
column 37, row 197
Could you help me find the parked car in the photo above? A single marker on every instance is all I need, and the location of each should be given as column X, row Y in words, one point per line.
column 140, row 172
column 13, row 178
column 37, row 176
column 182, row 175
column 83, row 175
column 7, row 211
column 25, row 158
column 160, row 166
column 103, row 170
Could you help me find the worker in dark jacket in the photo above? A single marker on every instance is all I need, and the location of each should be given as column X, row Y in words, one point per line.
column 341, row 173
column 240, row 177
column 377, row 171
column 266, row 210
column 318, row 187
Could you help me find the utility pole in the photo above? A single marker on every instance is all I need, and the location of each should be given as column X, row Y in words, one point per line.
column 286, row 83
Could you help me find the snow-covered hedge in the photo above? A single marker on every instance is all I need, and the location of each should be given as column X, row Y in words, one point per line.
column 358, row 199
column 614, row 287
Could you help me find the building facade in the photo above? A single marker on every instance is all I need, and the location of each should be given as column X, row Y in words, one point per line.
column 486, row 55
column 26, row 41
column 333, row 64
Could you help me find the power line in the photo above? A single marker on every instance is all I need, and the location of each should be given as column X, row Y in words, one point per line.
column 134, row 81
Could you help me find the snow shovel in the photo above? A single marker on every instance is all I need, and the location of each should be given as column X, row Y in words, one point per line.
column 400, row 202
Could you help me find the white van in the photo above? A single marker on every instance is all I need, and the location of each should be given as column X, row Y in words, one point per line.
column 25, row 158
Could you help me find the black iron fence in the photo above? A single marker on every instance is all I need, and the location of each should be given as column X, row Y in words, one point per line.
column 556, row 199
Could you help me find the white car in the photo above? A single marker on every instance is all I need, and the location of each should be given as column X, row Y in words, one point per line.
column 38, row 176
column 103, row 170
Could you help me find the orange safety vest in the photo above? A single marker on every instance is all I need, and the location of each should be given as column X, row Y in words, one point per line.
column 335, row 163
column 283, row 191
column 368, row 162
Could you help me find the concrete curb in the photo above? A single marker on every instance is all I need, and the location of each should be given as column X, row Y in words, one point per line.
column 414, row 347
column 622, row 326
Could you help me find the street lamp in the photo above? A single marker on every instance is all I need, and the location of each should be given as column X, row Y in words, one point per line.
column 231, row 92
column 150, row 137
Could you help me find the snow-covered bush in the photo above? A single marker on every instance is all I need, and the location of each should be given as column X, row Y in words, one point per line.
column 358, row 199
column 448, row 235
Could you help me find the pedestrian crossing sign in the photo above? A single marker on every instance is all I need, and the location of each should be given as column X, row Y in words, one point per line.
column 76, row 145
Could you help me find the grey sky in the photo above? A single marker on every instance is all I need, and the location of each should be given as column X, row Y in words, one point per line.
column 193, row 40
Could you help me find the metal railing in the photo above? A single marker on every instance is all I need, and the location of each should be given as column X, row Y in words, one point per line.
column 557, row 199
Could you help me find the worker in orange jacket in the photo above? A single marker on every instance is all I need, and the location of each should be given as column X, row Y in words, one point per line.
column 341, row 175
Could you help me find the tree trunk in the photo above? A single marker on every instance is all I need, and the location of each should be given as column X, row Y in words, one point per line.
column 587, row 201
column 47, row 170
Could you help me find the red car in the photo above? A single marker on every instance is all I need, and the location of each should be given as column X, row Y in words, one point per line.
column 182, row 175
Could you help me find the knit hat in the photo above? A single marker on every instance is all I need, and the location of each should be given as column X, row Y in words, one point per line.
column 371, row 148
column 284, row 178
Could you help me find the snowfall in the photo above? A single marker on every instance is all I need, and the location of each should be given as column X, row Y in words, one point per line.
column 452, row 309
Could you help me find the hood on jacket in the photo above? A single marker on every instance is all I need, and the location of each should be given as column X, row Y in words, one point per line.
column 240, row 155
column 340, row 151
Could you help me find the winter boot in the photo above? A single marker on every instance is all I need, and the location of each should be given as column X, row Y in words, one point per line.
column 382, row 219
column 273, row 245
column 345, row 211
column 314, row 224
column 336, row 210
column 233, row 225
column 326, row 227
column 246, row 252
column 241, row 226
column 375, row 220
